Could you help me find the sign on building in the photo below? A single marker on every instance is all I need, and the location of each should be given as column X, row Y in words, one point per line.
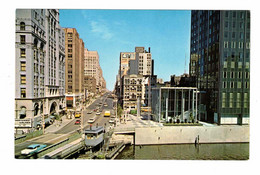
column 23, row 123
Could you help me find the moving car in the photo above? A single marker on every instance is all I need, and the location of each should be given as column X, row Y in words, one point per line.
column 98, row 113
column 77, row 122
column 105, row 105
column 91, row 120
column 31, row 149
column 89, row 112
column 78, row 114
column 107, row 114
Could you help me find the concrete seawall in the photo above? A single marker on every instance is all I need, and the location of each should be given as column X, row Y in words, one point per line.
column 187, row 134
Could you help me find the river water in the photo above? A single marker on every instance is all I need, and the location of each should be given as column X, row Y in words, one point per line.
column 237, row 151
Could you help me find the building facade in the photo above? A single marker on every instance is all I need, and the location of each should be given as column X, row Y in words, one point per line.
column 89, row 85
column 135, row 65
column 92, row 68
column 40, row 64
column 220, row 40
column 74, row 74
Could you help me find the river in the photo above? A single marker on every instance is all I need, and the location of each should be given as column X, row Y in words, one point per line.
column 237, row 151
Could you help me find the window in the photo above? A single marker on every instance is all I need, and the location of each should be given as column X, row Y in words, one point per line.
column 23, row 79
column 233, row 44
column 246, row 100
column 225, row 44
column 239, row 64
column 247, row 65
column 231, row 74
column 23, row 66
column 239, row 75
column 238, row 100
column 22, row 39
column 231, row 84
column 234, row 14
column 247, row 75
column 239, row 84
column 233, row 34
column 224, row 74
column 241, row 35
column 22, row 26
column 223, row 100
column 232, row 64
column 231, row 100
column 23, row 93
column 224, row 84
column 247, row 85
column 225, row 64
column 22, row 53
column 234, row 24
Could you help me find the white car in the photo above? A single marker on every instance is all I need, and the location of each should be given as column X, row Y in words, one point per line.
column 98, row 113
column 91, row 120
column 89, row 112
column 34, row 148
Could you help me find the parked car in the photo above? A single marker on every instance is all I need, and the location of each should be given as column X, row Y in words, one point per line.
column 89, row 112
column 77, row 122
column 31, row 149
column 98, row 113
column 105, row 105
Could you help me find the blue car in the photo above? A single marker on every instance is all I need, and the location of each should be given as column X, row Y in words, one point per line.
column 31, row 149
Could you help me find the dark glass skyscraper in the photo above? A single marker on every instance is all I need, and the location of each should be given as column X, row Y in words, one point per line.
column 220, row 42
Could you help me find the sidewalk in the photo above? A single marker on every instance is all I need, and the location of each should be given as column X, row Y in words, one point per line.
column 57, row 125
column 137, row 122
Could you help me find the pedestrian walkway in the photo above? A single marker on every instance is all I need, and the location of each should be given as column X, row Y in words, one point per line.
column 57, row 125
column 137, row 122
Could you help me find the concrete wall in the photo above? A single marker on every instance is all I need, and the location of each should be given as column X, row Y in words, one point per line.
column 179, row 134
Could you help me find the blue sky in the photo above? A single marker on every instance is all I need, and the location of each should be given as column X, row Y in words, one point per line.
column 166, row 32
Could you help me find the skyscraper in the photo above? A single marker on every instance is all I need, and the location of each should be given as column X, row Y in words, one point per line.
column 92, row 68
column 40, row 64
column 74, row 76
column 220, row 56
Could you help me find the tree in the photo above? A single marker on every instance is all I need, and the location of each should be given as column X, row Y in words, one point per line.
column 119, row 110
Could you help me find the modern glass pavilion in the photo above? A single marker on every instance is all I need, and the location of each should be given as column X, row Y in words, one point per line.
column 175, row 103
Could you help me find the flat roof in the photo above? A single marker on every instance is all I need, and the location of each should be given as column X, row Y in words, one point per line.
column 175, row 88
column 94, row 129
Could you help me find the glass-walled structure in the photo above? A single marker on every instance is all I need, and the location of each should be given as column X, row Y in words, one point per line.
column 176, row 104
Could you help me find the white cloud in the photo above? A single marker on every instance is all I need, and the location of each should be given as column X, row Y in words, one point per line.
column 100, row 29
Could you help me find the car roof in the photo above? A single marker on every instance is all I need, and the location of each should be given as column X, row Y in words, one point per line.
column 34, row 145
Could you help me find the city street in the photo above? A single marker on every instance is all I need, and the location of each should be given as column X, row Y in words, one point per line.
column 52, row 137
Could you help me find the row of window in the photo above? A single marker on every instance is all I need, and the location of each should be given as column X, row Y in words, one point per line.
column 232, row 85
column 231, row 103
column 232, row 75
column 233, row 65
column 233, row 44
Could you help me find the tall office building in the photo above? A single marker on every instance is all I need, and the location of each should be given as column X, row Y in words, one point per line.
column 92, row 68
column 74, row 75
column 40, row 64
column 133, row 67
column 220, row 56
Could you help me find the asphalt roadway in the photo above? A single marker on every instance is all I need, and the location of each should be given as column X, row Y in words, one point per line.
column 63, row 133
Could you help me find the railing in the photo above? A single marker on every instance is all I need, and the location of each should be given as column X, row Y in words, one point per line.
column 127, row 129
column 28, row 136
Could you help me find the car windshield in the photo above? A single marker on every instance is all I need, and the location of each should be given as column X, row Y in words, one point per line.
column 31, row 147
